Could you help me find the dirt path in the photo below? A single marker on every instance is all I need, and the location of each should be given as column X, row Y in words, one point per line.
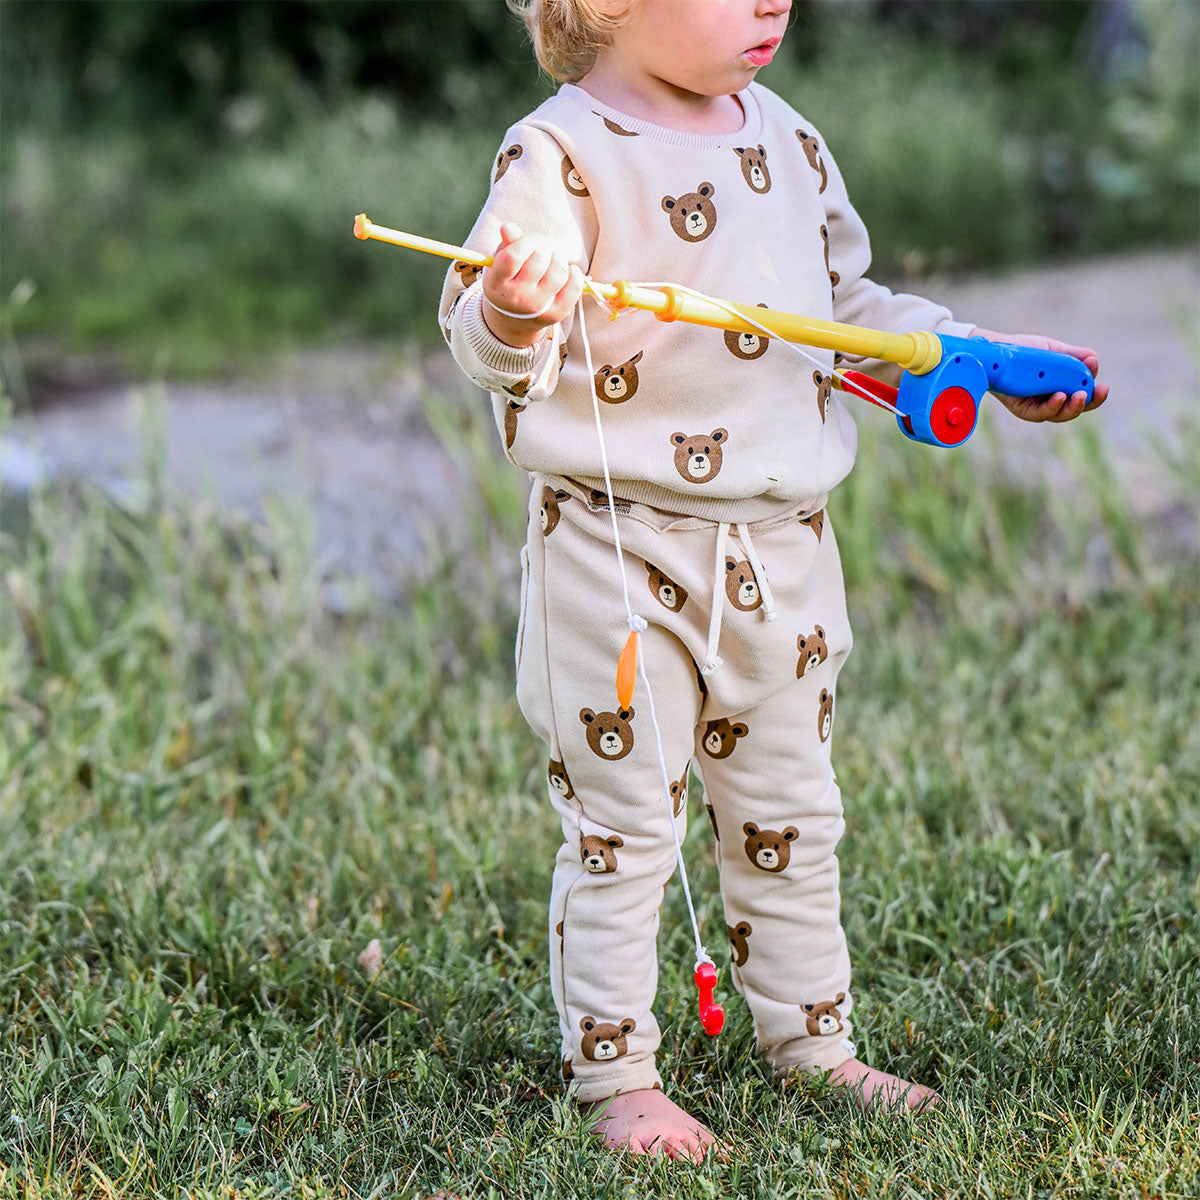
column 345, row 436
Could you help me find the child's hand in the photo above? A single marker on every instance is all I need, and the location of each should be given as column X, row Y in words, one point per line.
column 527, row 275
column 1060, row 406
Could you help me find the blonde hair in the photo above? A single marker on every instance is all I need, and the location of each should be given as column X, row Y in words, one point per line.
column 567, row 34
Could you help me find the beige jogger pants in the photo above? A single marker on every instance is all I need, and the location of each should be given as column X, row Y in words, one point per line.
column 757, row 723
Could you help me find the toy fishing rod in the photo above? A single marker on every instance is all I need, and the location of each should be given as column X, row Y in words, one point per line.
column 944, row 378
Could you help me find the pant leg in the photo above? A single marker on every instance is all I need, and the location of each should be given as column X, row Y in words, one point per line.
column 606, row 783
column 777, row 810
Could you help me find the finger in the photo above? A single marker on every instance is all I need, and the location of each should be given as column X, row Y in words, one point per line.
column 1052, row 406
column 1083, row 353
column 537, row 260
column 556, row 277
column 510, row 232
column 567, row 297
column 1073, row 407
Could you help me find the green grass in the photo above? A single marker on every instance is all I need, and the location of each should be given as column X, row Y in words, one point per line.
column 215, row 793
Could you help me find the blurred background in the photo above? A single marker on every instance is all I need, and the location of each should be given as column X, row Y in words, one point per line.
column 273, row 834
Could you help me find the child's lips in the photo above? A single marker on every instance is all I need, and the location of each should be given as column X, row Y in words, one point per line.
column 762, row 54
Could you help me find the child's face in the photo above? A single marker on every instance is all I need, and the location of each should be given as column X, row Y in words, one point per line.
column 705, row 47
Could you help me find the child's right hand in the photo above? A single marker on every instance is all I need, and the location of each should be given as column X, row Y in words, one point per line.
column 527, row 275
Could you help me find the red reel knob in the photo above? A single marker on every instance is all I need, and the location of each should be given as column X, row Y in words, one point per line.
column 952, row 416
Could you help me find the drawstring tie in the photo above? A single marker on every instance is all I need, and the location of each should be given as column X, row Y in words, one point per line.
column 712, row 660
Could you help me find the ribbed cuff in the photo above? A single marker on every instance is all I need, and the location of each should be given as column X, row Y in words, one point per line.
column 642, row 1077
column 491, row 352
column 819, row 1055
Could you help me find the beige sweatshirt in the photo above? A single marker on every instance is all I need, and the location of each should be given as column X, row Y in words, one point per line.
column 697, row 421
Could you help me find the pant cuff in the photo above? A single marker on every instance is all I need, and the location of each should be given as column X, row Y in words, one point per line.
column 639, row 1079
column 823, row 1056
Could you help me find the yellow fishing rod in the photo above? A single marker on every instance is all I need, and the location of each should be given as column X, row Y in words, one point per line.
column 944, row 377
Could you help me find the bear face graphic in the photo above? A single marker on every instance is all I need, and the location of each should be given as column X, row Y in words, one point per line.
column 693, row 216
column 567, row 1073
column 468, row 272
column 812, row 151
column 737, row 942
column 769, row 849
column 664, row 589
column 754, row 168
column 608, row 733
column 598, row 854
column 571, row 178
column 825, row 715
column 698, row 455
column 604, row 1041
column 557, row 776
column 824, row 1018
column 551, row 499
column 740, row 585
column 748, row 346
column 815, row 522
column 679, row 793
column 505, row 159
column 824, row 391
column 720, row 737
column 617, row 384
column 520, row 389
column 510, row 421
column 813, row 651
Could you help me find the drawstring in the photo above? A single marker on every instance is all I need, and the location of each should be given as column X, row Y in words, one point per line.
column 711, row 659
column 760, row 576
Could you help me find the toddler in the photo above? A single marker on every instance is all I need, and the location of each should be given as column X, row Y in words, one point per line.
column 660, row 159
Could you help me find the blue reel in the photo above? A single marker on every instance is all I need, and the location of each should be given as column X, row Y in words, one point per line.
column 941, row 407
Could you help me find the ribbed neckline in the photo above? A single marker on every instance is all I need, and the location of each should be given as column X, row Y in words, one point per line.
column 748, row 133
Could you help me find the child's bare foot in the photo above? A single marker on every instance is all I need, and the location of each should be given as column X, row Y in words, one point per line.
column 647, row 1122
column 878, row 1089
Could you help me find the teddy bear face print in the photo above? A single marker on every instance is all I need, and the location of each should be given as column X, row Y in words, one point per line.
column 693, row 216
column 609, row 734
column 604, row 1040
column 698, row 456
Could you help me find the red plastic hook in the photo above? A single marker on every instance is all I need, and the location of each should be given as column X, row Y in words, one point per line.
column 712, row 1015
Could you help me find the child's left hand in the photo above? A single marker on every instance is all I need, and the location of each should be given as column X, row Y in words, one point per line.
column 1058, row 407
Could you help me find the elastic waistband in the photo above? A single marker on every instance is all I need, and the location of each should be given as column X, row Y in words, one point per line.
column 757, row 514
